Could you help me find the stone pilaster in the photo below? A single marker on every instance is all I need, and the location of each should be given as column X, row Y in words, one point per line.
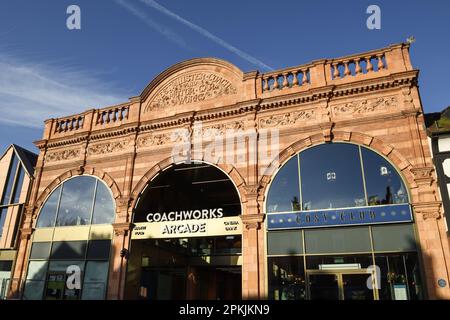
column 118, row 260
column 253, row 256
column 432, row 235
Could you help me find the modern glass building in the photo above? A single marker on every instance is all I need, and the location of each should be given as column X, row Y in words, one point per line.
column 309, row 182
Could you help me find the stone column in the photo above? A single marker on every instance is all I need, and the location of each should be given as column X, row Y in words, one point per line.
column 432, row 234
column 119, row 260
column 253, row 275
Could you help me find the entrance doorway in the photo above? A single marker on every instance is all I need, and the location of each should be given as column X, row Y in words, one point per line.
column 192, row 283
column 187, row 237
column 339, row 285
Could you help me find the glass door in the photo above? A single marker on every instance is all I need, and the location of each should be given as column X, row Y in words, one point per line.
column 339, row 285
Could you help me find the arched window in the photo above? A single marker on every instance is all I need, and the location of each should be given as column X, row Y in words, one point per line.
column 78, row 201
column 337, row 175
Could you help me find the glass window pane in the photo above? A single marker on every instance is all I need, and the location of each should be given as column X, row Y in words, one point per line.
column 284, row 190
column 103, row 206
column 342, row 240
column 3, row 213
column 99, row 249
column 400, row 276
column 33, row 290
column 5, row 265
column 68, row 250
column 383, row 183
column 286, row 278
column 6, row 198
column 61, row 266
column 40, row 250
column 18, row 185
column 76, row 202
column 331, row 177
column 48, row 212
column 95, row 280
column 394, row 238
column 284, row 242
column 37, row 270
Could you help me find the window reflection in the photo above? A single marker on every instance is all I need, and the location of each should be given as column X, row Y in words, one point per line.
column 284, row 192
column 103, row 206
column 331, row 177
column 72, row 204
column 287, row 278
column 76, row 202
column 383, row 183
column 48, row 212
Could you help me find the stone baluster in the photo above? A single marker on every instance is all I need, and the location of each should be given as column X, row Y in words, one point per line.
column 357, row 66
column 275, row 83
column 380, row 62
column 285, row 83
column 305, row 76
column 266, row 84
column 346, row 69
column 335, row 70
column 294, row 78
column 369, row 66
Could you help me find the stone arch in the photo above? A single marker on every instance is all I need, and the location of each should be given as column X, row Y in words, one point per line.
column 402, row 165
column 151, row 174
column 103, row 176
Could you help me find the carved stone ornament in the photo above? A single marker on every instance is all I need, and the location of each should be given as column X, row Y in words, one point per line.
column 423, row 175
column 430, row 210
column 252, row 221
column 162, row 138
column 364, row 106
column 62, row 155
column 191, row 88
column 219, row 129
column 287, row 119
column 109, row 147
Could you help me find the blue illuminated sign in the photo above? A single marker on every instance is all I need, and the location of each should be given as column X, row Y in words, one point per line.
column 340, row 217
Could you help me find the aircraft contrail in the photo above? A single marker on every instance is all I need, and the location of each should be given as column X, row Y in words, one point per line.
column 207, row 34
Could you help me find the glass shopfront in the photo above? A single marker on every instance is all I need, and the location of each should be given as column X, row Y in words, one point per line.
column 73, row 230
column 340, row 227
column 186, row 243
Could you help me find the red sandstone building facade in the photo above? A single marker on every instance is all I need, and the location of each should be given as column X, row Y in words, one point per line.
column 362, row 109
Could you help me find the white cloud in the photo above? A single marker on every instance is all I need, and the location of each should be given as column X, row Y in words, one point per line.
column 32, row 92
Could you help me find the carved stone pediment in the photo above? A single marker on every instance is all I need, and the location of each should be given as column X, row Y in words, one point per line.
column 194, row 87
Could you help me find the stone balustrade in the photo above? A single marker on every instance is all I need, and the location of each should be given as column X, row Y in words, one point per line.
column 286, row 78
column 357, row 65
column 71, row 123
column 112, row 114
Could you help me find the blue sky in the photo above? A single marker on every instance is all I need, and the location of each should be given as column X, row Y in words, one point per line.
column 48, row 71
